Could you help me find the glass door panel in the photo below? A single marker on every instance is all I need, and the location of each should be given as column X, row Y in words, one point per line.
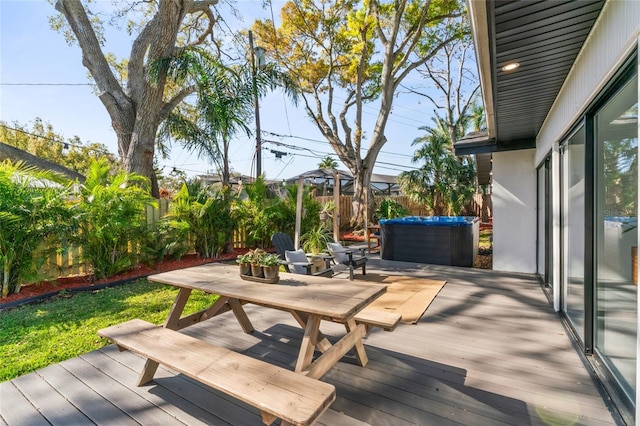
column 616, row 133
column 573, row 230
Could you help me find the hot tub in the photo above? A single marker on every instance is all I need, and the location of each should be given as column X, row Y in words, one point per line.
column 441, row 240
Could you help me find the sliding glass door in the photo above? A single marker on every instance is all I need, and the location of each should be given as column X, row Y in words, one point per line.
column 616, row 234
column 573, row 230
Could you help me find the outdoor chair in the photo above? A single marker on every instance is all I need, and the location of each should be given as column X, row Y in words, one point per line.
column 345, row 256
column 297, row 261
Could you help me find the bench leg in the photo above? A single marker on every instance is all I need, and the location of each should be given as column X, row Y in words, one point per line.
column 148, row 371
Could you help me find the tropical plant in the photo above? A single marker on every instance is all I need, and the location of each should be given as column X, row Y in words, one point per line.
column 110, row 213
column 33, row 215
column 269, row 259
column 390, row 208
column 445, row 183
column 328, row 163
column 315, row 240
column 225, row 103
column 168, row 238
column 208, row 212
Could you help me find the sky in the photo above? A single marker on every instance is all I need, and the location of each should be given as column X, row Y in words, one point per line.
column 42, row 76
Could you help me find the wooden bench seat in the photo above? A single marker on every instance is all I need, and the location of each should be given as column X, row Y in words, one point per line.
column 275, row 391
column 372, row 317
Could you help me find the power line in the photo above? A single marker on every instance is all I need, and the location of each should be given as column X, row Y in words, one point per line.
column 62, row 142
column 326, row 142
column 46, row 84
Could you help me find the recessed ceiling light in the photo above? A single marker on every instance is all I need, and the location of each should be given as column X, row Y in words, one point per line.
column 511, row 66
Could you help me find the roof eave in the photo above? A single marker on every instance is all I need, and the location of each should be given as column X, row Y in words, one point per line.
column 480, row 31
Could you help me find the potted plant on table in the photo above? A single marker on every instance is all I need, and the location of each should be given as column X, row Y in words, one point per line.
column 254, row 259
column 244, row 260
column 270, row 265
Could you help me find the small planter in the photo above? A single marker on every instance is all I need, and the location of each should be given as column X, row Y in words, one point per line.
column 245, row 269
column 271, row 272
column 256, row 271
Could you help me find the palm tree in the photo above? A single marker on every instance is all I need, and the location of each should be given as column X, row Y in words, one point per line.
column 328, row 163
column 225, row 101
column 445, row 183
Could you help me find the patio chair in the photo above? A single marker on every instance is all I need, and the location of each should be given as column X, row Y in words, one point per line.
column 345, row 256
column 297, row 261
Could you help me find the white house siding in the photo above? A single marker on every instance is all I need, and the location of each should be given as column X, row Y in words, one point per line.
column 610, row 42
column 514, row 211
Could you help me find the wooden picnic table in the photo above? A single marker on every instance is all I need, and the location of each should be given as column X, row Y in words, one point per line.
column 309, row 299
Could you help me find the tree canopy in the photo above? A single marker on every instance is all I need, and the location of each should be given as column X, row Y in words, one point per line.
column 136, row 101
column 346, row 53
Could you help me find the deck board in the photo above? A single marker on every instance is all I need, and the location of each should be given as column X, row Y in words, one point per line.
column 489, row 350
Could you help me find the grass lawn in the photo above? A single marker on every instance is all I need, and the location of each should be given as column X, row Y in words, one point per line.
column 34, row 336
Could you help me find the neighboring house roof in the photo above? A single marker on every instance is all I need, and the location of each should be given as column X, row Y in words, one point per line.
column 379, row 182
column 544, row 38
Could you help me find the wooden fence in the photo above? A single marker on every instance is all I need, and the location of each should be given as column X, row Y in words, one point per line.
column 69, row 262
column 479, row 206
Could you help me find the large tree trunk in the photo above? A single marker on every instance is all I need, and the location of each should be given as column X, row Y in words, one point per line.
column 362, row 202
column 137, row 111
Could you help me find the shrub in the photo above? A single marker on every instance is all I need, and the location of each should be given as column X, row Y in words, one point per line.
column 390, row 208
column 33, row 211
column 208, row 213
column 111, row 217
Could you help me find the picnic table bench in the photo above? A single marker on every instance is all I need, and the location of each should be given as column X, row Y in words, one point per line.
column 275, row 391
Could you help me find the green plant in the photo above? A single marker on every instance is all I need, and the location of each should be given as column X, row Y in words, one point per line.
column 111, row 216
column 33, row 214
column 169, row 238
column 269, row 259
column 208, row 212
column 255, row 256
column 243, row 259
column 390, row 208
column 315, row 240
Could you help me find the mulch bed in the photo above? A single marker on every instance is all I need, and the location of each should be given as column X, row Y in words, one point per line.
column 34, row 292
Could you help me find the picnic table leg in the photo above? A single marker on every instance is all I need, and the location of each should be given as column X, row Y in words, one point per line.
column 308, row 343
column 176, row 310
column 241, row 315
column 322, row 344
column 361, row 354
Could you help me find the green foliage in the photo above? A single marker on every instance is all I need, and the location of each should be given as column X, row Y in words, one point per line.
column 33, row 214
column 261, row 213
column 42, row 141
column 315, row 240
column 328, row 163
column 111, row 216
column 209, row 215
column 445, row 182
column 169, row 238
column 34, row 336
column 390, row 208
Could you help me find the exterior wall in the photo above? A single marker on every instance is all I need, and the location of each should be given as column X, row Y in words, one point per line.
column 611, row 41
column 514, row 211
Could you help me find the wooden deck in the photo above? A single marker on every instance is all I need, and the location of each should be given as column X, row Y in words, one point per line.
column 489, row 351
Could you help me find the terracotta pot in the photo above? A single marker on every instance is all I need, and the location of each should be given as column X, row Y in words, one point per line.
column 245, row 268
column 256, row 271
